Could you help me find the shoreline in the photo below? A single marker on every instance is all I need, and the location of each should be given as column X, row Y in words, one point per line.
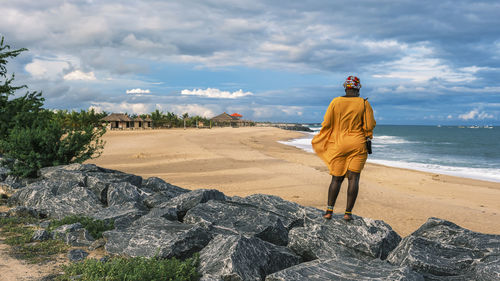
column 244, row 161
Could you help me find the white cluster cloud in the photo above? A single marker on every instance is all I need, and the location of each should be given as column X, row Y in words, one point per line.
column 475, row 114
column 193, row 109
column 46, row 69
column 138, row 91
column 131, row 108
column 216, row 93
column 80, row 75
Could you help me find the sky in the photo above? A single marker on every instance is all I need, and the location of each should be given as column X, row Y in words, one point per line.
column 419, row 62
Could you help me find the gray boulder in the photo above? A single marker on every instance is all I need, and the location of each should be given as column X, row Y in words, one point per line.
column 441, row 249
column 235, row 257
column 57, row 198
column 292, row 214
column 148, row 237
column 158, row 185
column 158, row 191
column 40, row 235
column 122, row 193
column 73, row 235
column 240, row 218
column 122, row 215
column 362, row 238
column 77, row 255
column 186, row 201
column 345, row 269
column 21, row 211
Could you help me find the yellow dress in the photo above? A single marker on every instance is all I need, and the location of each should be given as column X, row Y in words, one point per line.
column 341, row 141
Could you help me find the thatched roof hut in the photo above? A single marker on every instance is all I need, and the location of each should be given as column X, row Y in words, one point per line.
column 120, row 117
column 123, row 121
column 225, row 119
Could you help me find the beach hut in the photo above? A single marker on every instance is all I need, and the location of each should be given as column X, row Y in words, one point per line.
column 118, row 121
column 224, row 120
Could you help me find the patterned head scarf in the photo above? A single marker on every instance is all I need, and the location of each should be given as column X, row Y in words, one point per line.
column 352, row 82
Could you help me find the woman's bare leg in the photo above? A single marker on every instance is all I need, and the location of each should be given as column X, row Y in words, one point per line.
column 333, row 192
column 352, row 192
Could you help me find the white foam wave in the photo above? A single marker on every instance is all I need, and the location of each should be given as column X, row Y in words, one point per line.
column 464, row 172
column 383, row 140
column 487, row 174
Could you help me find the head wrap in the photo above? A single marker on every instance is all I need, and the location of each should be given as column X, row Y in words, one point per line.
column 352, row 82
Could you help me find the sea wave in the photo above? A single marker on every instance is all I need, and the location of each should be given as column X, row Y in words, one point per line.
column 488, row 174
column 464, row 172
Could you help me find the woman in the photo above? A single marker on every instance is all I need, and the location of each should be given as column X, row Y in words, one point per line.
column 341, row 143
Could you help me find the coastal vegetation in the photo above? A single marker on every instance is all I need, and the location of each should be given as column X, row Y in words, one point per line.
column 94, row 227
column 35, row 137
column 138, row 268
column 18, row 233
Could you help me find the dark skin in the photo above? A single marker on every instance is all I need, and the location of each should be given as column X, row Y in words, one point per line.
column 353, row 178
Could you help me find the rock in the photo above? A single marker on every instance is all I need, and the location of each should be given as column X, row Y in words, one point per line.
column 40, row 235
column 3, row 214
column 237, row 218
column 73, row 235
column 4, row 172
column 235, row 257
column 292, row 214
column 77, row 255
column 150, row 237
column 335, row 238
column 97, row 244
column 122, row 193
column 46, row 198
column 60, row 232
column 158, row 191
column 187, row 201
column 121, row 215
column 344, row 269
column 21, row 211
column 11, row 183
column 158, row 185
column 440, row 248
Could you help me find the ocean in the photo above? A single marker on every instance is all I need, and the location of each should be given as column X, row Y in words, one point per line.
column 471, row 152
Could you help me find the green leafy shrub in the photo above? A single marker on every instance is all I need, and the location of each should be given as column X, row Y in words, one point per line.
column 36, row 137
column 94, row 227
column 134, row 269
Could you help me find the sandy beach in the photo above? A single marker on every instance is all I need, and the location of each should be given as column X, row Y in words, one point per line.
column 244, row 161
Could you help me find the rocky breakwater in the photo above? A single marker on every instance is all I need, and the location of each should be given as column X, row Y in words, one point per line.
column 259, row 237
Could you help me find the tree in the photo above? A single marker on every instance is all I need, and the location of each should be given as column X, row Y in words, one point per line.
column 34, row 137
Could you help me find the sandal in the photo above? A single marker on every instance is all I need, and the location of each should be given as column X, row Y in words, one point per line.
column 329, row 213
column 348, row 216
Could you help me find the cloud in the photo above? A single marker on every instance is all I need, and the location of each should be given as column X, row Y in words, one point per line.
column 79, row 75
column 193, row 109
column 132, row 108
column 46, row 69
column 475, row 115
column 138, row 91
column 216, row 93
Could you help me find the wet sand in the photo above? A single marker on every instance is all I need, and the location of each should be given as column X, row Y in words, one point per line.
column 244, row 161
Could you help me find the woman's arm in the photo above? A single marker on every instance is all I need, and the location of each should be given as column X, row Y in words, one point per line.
column 369, row 122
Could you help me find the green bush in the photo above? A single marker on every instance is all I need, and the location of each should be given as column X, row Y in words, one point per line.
column 134, row 269
column 18, row 231
column 94, row 227
column 36, row 137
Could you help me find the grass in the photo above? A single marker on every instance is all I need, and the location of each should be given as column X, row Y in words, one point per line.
column 130, row 269
column 18, row 232
column 94, row 227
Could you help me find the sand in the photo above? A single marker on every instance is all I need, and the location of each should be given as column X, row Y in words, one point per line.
column 244, row 161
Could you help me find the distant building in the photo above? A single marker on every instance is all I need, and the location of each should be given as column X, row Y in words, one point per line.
column 233, row 120
column 123, row 121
